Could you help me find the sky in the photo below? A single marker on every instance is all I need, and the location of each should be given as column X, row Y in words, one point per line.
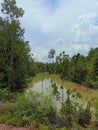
column 63, row 25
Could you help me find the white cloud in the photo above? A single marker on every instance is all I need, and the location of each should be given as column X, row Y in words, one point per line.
column 96, row 4
column 86, row 30
column 40, row 54
column 79, row 48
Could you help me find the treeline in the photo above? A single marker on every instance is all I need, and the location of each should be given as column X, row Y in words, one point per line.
column 15, row 58
column 78, row 68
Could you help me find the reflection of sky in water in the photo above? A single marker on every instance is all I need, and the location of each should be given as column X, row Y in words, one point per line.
column 42, row 86
column 45, row 88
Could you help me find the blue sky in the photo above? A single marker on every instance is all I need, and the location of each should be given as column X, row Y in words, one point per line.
column 65, row 25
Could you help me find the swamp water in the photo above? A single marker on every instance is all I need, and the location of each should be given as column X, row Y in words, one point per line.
column 45, row 87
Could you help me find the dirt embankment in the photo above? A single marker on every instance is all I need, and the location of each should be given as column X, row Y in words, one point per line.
column 9, row 127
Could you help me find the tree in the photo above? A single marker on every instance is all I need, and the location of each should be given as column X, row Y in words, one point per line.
column 51, row 54
column 14, row 51
column 92, row 68
column 62, row 65
column 55, row 90
column 78, row 70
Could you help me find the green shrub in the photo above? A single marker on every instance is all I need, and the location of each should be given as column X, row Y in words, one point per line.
column 28, row 110
column 3, row 94
column 43, row 127
column 34, row 110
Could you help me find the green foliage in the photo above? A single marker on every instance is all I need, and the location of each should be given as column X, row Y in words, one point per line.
column 77, row 71
column 26, row 111
column 78, row 68
column 10, row 9
column 96, row 115
column 76, row 126
column 64, row 128
column 43, row 127
column 33, row 69
column 55, row 90
column 76, row 114
column 3, row 94
column 36, row 110
column 92, row 68
column 61, row 128
column 14, row 51
column 62, row 65
column 70, row 108
column 51, row 54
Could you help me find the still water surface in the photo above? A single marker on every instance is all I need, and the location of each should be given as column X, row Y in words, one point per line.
column 45, row 87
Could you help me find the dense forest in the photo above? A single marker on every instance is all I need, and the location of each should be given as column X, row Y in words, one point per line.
column 17, row 67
